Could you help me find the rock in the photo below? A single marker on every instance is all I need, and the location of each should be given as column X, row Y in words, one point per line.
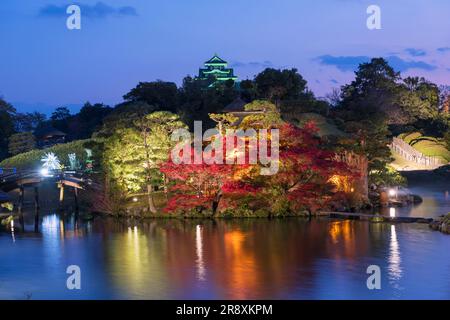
column 441, row 224
column 416, row 199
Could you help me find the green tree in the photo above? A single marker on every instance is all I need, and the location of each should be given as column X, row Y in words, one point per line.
column 21, row 142
column 162, row 95
column 368, row 104
column 447, row 138
column 132, row 153
column 7, row 113
column 29, row 121
column 60, row 113
column 276, row 85
column 197, row 100
column 419, row 100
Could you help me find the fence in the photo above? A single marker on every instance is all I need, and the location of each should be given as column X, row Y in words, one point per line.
column 409, row 153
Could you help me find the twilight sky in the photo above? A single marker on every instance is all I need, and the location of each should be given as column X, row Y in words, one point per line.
column 44, row 65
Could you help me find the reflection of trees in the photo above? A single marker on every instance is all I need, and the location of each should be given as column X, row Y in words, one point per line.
column 347, row 240
column 235, row 259
column 134, row 256
column 246, row 259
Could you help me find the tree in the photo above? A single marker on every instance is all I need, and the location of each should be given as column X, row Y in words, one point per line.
column 197, row 186
column 61, row 113
column 155, row 130
column 419, row 100
column 29, row 121
column 7, row 113
column 368, row 104
column 162, row 95
column 444, row 99
column 303, row 181
column 86, row 122
column 276, row 85
column 197, row 100
column 447, row 139
column 132, row 151
column 21, row 142
column 267, row 117
column 248, row 90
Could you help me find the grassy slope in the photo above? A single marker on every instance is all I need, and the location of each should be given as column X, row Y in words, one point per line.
column 326, row 127
column 32, row 159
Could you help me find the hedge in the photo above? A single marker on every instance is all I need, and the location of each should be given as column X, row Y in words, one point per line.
column 32, row 159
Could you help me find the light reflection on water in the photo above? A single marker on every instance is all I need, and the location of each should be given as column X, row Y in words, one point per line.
column 230, row 259
column 199, row 249
column 395, row 271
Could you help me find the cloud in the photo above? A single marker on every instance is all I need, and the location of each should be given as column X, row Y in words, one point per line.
column 98, row 10
column 334, row 81
column 416, row 52
column 351, row 63
column 343, row 63
column 443, row 49
column 254, row 64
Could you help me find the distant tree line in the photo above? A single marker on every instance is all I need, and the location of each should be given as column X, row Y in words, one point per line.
column 371, row 109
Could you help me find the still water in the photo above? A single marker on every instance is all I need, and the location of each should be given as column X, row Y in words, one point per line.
column 227, row 259
column 435, row 201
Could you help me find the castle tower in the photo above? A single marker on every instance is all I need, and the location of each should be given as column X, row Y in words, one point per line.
column 216, row 69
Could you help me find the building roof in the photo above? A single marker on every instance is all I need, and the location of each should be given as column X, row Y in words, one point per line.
column 237, row 105
column 48, row 132
column 215, row 60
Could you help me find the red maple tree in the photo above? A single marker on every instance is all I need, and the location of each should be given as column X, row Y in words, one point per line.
column 305, row 169
column 302, row 180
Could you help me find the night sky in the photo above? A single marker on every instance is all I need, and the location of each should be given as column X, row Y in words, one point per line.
column 44, row 65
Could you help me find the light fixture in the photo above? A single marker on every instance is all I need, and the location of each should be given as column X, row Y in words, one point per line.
column 392, row 192
column 44, row 172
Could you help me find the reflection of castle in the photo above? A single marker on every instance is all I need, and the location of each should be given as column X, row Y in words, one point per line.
column 216, row 70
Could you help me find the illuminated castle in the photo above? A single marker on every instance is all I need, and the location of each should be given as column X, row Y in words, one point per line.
column 216, row 70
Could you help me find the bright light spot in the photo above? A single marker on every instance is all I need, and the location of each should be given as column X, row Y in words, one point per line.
column 44, row 172
column 199, row 249
column 392, row 192
column 135, row 199
column 12, row 224
column 51, row 161
column 392, row 212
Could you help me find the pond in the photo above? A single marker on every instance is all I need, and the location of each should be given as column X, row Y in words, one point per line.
column 225, row 259
column 434, row 189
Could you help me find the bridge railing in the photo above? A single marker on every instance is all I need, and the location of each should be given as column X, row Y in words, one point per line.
column 4, row 171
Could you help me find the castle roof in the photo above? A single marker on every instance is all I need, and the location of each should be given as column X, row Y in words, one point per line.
column 215, row 60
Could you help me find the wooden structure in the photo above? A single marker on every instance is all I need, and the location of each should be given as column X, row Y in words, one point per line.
column 14, row 180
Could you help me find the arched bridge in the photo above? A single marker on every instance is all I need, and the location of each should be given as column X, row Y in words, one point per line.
column 12, row 179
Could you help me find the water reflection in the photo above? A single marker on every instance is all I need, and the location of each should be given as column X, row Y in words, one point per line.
column 199, row 250
column 225, row 259
column 395, row 271
column 435, row 202
column 392, row 212
column 394, row 268
column 13, row 236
